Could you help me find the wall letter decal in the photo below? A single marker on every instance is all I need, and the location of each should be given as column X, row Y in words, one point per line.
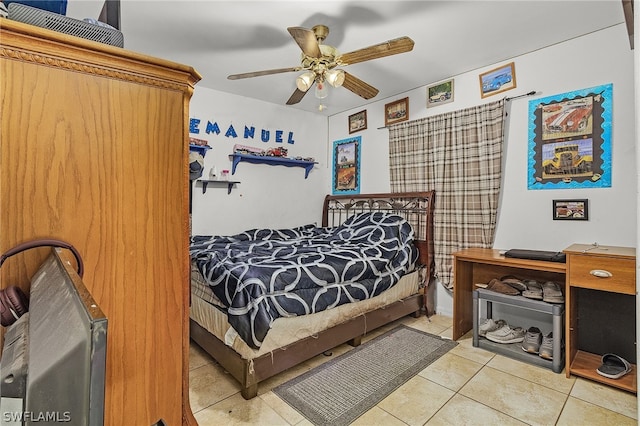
column 212, row 128
column 193, row 125
column 231, row 132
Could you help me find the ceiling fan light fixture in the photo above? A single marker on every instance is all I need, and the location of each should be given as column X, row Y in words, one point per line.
column 305, row 80
column 335, row 77
column 321, row 90
column 317, row 61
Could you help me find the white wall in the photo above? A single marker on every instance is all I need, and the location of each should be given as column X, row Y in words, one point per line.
column 275, row 196
column 525, row 219
column 268, row 196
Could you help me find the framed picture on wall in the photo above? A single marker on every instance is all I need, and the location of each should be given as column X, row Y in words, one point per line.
column 498, row 80
column 358, row 121
column 346, row 166
column 439, row 94
column 571, row 209
column 570, row 139
column 396, row 111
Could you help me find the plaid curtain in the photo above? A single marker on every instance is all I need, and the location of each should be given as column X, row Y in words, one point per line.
column 459, row 155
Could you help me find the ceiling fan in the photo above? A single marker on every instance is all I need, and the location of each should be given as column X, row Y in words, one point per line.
column 320, row 62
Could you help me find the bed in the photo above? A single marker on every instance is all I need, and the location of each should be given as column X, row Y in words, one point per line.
column 256, row 328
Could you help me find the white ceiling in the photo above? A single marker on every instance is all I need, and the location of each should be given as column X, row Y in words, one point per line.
column 451, row 37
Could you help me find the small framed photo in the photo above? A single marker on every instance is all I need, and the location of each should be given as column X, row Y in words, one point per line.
column 498, row 80
column 441, row 93
column 397, row 111
column 358, row 121
column 571, row 209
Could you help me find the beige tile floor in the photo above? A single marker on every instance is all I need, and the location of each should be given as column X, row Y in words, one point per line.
column 466, row 386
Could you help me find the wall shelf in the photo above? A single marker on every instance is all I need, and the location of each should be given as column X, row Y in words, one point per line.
column 273, row 161
column 200, row 149
column 206, row 182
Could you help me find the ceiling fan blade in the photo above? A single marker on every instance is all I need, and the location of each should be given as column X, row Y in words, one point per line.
column 359, row 87
column 260, row 73
column 388, row 48
column 296, row 97
column 307, row 41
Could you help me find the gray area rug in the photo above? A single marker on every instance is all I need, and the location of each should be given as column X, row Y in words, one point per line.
column 341, row 390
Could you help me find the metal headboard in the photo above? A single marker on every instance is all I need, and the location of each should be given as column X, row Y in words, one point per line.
column 415, row 207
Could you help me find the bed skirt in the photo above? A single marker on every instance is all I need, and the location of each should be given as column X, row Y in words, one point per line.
column 285, row 331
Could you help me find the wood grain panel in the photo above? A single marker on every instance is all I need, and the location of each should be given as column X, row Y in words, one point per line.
column 94, row 152
column 622, row 279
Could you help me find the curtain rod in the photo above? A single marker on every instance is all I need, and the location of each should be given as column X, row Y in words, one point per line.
column 533, row 92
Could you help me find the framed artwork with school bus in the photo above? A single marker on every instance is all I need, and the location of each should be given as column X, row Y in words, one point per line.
column 570, row 139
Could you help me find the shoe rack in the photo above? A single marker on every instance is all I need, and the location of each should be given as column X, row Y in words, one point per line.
column 480, row 265
column 514, row 350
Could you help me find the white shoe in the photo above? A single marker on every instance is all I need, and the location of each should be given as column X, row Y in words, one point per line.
column 506, row 334
column 490, row 325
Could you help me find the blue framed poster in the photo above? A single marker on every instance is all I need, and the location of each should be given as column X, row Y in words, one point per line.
column 346, row 166
column 570, row 140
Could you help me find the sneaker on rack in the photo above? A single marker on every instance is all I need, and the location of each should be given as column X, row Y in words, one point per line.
column 546, row 347
column 490, row 325
column 532, row 340
column 506, row 334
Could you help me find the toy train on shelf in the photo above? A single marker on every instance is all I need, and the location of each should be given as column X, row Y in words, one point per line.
column 271, row 152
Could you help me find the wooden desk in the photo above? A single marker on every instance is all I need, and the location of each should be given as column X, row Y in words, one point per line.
column 478, row 265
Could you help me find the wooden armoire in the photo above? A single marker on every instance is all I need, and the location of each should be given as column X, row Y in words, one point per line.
column 94, row 151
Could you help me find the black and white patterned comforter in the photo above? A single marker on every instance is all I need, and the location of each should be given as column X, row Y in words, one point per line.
column 262, row 274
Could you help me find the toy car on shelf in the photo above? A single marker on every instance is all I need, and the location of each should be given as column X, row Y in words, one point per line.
column 277, row 152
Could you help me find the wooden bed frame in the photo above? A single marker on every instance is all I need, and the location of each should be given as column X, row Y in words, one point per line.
column 417, row 207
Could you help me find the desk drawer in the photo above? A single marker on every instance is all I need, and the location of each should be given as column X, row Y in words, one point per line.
column 622, row 279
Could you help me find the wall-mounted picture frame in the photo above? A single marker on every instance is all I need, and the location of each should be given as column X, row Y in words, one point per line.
column 396, row 111
column 570, row 139
column 358, row 121
column 439, row 94
column 576, row 209
column 346, row 166
column 498, row 80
